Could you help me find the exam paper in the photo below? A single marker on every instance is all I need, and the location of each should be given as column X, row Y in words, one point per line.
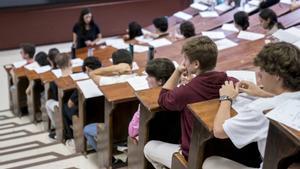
column 42, row 69
column 223, row 7
column 254, row 2
column 32, row 66
column 242, row 75
column 108, row 80
column 286, row 36
column 138, row 83
column 214, row 34
column 143, row 39
column 183, row 15
column 297, row 44
column 287, row 113
column 140, row 48
column 76, row 62
column 209, row 14
column 57, row 73
column 117, row 43
column 289, row 2
column 89, row 88
column 19, row 63
column 79, row 76
column 160, row 42
column 225, row 43
column 229, row 27
column 250, row 35
column 199, row 6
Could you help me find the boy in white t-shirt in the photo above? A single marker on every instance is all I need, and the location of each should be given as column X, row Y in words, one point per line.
column 280, row 76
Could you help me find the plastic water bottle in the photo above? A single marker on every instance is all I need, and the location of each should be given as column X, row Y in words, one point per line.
column 150, row 53
column 90, row 52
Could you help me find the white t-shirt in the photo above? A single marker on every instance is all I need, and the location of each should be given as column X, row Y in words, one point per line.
column 250, row 124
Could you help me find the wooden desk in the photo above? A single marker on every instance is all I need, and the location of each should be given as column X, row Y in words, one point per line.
column 289, row 20
column 283, row 146
column 8, row 68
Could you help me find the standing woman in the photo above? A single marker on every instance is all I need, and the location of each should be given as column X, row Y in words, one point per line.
column 85, row 32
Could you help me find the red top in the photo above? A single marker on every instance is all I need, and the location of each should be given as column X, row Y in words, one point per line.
column 203, row 87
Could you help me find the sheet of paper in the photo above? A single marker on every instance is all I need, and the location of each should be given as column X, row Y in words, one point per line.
column 289, row 2
column 223, row 7
column 254, row 2
column 225, row 43
column 160, row 42
column 144, row 39
column 138, row 83
column 286, row 36
column 297, row 44
column 76, row 62
column 146, row 31
column 89, row 88
column 32, row 66
column 108, row 80
column 19, row 63
column 140, row 48
column 42, row 69
column 294, row 31
column 287, row 113
column 79, row 76
column 214, row 34
column 183, row 15
column 229, row 27
column 248, row 8
column 117, row 43
column 250, row 35
column 209, row 14
column 199, row 6
column 242, row 75
column 135, row 66
column 57, row 73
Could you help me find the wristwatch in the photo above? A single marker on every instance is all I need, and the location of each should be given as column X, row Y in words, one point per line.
column 224, row 97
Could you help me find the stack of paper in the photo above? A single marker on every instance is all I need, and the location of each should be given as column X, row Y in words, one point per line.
column 76, row 62
column 138, row 83
column 57, row 73
column 229, row 27
column 42, row 69
column 250, row 35
column 223, row 7
column 183, row 15
column 160, row 42
column 214, row 34
column 32, row 66
column 198, row 6
column 89, row 88
column 287, row 113
column 79, row 76
column 242, row 75
column 117, row 43
column 144, row 39
column 19, row 63
column 140, row 48
column 209, row 14
column 225, row 43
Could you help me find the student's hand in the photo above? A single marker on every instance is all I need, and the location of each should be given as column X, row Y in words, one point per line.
column 228, row 89
column 252, row 89
column 88, row 43
column 182, row 69
column 185, row 78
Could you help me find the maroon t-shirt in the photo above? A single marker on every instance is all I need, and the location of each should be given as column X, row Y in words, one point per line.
column 203, row 87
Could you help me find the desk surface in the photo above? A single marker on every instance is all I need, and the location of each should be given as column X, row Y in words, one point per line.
column 149, row 98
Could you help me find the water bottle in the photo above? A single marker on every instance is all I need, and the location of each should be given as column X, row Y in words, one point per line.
column 131, row 49
column 90, row 52
column 73, row 51
column 150, row 53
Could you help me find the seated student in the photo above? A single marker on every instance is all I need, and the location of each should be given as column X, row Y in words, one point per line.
column 134, row 30
column 268, row 20
column 159, row 71
column 63, row 62
column 187, row 29
column 241, row 20
column 122, row 62
column 279, row 65
column 71, row 107
column 200, row 58
column 52, row 53
column 161, row 27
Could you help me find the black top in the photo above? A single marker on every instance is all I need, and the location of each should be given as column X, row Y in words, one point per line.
column 53, row 91
column 90, row 34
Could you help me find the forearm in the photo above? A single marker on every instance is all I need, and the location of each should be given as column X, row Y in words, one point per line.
column 98, row 38
column 173, row 80
column 222, row 115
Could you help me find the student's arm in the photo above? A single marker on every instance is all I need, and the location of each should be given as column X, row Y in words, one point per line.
column 121, row 68
column 253, row 90
column 224, row 110
column 97, row 39
column 74, row 39
column 174, row 79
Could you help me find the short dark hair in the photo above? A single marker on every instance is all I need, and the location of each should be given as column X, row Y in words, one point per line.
column 266, row 14
column 134, row 30
column 63, row 60
column 241, row 18
column 160, row 68
column 122, row 56
column 52, row 53
column 28, row 48
column 187, row 29
column 41, row 59
column 91, row 62
column 161, row 24
column 202, row 49
column 281, row 59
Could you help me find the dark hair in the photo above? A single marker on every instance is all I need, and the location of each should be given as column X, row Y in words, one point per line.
column 63, row 60
column 122, row 56
column 91, row 62
column 41, row 59
column 187, row 29
column 282, row 59
column 134, row 30
column 81, row 20
column 161, row 24
column 160, row 68
column 28, row 48
column 202, row 49
column 52, row 54
column 266, row 14
column 241, row 18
